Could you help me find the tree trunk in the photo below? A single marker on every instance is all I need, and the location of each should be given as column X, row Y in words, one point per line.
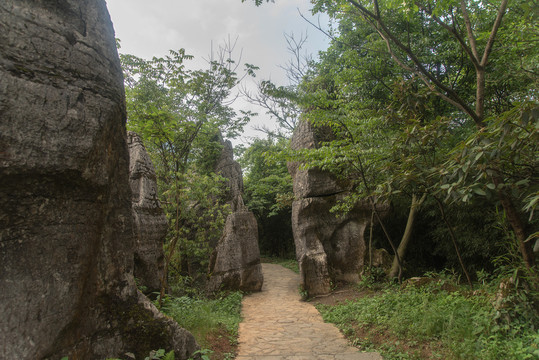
column 454, row 240
column 513, row 217
column 370, row 241
column 172, row 248
column 414, row 208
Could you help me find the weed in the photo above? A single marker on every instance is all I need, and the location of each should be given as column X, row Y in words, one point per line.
column 204, row 354
column 290, row 264
column 371, row 278
column 464, row 325
column 204, row 316
column 303, row 293
column 160, row 355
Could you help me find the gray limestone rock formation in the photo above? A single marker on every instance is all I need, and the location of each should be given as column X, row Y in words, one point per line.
column 66, row 229
column 230, row 169
column 150, row 222
column 328, row 248
column 235, row 261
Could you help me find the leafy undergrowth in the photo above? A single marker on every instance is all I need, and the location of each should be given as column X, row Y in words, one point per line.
column 440, row 320
column 291, row 264
column 213, row 322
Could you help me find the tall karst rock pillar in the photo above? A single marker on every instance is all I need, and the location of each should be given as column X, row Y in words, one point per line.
column 235, row 262
column 66, row 231
column 150, row 222
column 329, row 248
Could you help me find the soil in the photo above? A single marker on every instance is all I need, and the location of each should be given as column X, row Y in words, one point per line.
column 340, row 294
column 223, row 344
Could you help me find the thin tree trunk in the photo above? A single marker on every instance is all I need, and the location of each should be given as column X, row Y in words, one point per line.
column 388, row 237
column 370, row 239
column 407, row 236
column 516, row 224
column 454, row 240
column 172, row 248
column 480, row 95
column 164, row 278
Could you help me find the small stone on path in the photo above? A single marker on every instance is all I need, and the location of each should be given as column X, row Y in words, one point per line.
column 278, row 325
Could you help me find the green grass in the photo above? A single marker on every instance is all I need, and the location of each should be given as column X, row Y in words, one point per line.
column 462, row 325
column 291, row 264
column 204, row 316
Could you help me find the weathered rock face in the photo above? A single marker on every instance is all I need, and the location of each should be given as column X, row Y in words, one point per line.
column 230, row 169
column 150, row 222
column 66, row 230
column 235, row 262
column 328, row 248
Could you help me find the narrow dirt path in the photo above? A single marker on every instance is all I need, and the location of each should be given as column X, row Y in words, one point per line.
column 278, row 325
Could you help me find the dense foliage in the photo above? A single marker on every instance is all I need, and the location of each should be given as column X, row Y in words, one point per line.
column 181, row 115
column 435, row 99
column 268, row 194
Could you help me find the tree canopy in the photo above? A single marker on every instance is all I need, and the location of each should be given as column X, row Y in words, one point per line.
column 435, row 98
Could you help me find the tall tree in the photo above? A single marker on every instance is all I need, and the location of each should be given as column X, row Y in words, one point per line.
column 179, row 112
column 448, row 49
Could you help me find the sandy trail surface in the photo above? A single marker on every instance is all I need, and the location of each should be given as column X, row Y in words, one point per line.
column 278, row 325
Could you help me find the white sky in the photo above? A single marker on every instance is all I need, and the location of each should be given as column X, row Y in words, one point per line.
column 151, row 28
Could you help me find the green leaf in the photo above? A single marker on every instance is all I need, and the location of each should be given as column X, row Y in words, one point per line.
column 522, row 182
column 479, row 191
column 169, row 355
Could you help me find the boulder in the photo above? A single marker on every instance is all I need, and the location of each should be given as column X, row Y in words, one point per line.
column 149, row 220
column 66, row 229
column 235, row 261
column 329, row 248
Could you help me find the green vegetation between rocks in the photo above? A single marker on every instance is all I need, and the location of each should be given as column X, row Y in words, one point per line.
column 213, row 322
column 291, row 264
column 431, row 107
column 436, row 319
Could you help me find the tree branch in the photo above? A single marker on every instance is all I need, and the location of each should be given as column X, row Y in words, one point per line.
column 469, row 30
column 472, row 53
column 451, row 94
column 492, row 36
column 423, row 77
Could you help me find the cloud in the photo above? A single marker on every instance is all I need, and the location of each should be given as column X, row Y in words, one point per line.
column 151, row 28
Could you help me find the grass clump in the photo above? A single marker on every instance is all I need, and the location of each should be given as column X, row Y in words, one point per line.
column 209, row 320
column 290, row 264
column 451, row 321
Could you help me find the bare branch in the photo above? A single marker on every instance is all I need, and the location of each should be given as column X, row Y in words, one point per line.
column 472, row 53
column 450, row 95
column 469, row 30
column 337, row 40
column 495, row 27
